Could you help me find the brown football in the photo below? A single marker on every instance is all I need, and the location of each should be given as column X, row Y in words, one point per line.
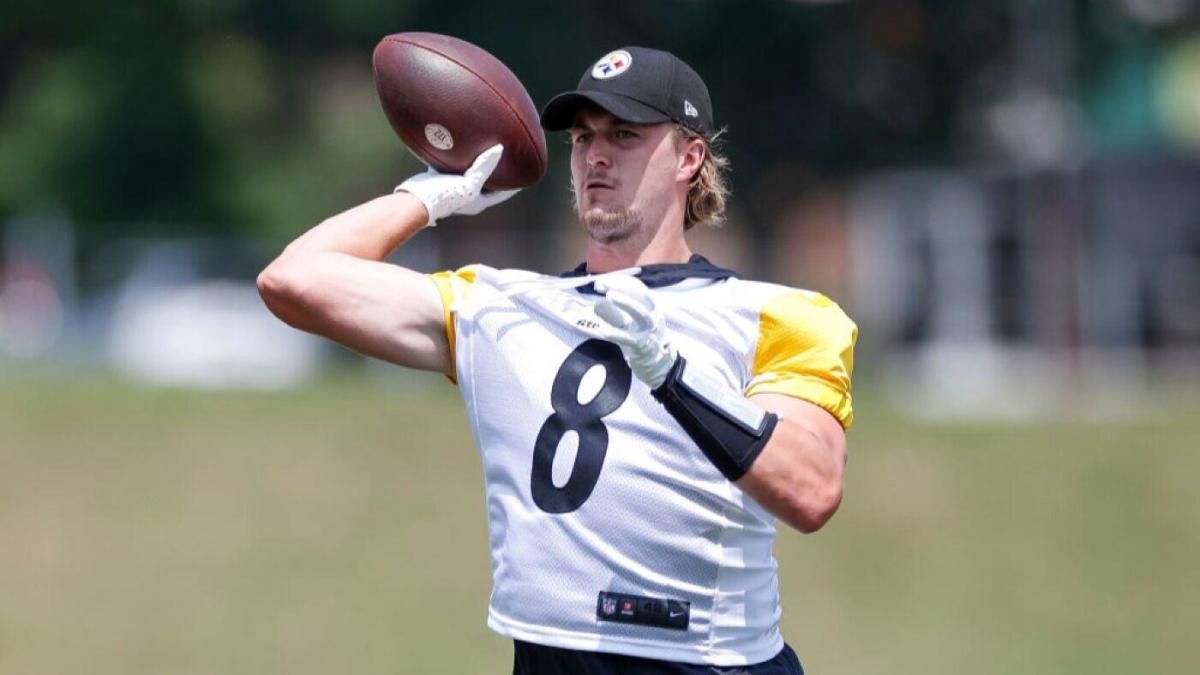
column 450, row 100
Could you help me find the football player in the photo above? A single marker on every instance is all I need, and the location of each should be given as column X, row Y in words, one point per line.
column 643, row 419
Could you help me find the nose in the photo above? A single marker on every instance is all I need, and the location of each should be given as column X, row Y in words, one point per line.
column 598, row 153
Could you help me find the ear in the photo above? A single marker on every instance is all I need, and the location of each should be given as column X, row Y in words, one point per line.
column 691, row 158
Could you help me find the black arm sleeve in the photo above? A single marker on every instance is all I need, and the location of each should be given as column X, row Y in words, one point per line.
column 730, row 441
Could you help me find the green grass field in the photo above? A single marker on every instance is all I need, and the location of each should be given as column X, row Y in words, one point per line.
column 341, row 529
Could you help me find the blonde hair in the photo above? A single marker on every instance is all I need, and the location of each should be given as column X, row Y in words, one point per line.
column 708, row 191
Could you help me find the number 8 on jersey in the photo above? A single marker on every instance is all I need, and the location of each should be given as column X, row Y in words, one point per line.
column 586, row 420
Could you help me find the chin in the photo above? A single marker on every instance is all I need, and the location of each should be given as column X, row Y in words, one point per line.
column 607, row 226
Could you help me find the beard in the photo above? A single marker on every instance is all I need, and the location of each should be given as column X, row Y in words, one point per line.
column 607, row 226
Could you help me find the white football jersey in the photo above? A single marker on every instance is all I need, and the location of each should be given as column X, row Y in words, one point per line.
column 610, row 530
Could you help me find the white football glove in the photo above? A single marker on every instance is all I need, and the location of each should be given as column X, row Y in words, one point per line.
column 444, row 194
column 635, row 325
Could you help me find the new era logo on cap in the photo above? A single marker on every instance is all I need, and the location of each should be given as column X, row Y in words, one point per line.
column 612, row 64
column 689, row 109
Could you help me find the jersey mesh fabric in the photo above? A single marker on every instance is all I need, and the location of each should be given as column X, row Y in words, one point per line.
column 659, row 520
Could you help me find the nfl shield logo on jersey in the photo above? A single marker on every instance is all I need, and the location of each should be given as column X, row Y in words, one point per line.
column 609, row 606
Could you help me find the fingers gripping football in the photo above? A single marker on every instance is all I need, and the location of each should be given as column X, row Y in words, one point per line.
column 634, row 323
column 447, row 194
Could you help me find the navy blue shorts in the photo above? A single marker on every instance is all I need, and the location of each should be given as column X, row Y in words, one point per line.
column 531, row 659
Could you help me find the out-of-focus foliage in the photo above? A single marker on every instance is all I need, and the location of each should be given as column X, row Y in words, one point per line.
column 205, row 115
column 260, row 118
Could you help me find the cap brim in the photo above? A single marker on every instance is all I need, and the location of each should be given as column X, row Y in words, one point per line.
column 559, row 113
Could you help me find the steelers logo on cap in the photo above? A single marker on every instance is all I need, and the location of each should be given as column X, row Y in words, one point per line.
column 612, row 64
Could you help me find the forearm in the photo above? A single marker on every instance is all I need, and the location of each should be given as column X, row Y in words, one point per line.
column 798, row 476
column 786, row 453
column 369, row 231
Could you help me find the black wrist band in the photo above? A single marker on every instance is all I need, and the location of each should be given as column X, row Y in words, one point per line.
column 729, row 430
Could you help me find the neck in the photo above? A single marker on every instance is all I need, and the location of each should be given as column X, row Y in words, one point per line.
column 608, row 257
column 665, row 245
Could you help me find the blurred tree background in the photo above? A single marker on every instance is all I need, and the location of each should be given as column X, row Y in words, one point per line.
column 258, row 118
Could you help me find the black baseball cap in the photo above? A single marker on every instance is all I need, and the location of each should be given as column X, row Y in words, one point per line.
column 639, row 85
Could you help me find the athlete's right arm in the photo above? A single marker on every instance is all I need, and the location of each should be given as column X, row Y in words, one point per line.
column 332, row 281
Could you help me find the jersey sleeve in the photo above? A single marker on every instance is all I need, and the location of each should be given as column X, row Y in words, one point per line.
column 806, row 349
column 453, row 287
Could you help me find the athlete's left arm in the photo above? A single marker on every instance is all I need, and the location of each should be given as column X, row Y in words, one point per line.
column 789, row 459
column 798, row 475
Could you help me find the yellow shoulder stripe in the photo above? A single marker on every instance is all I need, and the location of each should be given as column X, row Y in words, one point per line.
column 806, row 350
column 453, row 287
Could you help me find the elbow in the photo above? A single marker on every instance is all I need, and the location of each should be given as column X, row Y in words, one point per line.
column 809, row 512
column 280, row 288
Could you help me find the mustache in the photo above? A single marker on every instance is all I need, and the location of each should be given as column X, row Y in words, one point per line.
column 599, row 177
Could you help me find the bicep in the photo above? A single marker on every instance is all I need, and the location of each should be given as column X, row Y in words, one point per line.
column 374, row 308
column 809, row 417
column 798, row 475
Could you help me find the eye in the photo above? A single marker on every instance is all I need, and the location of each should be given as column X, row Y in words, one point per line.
column 625, row 134
column 581, row 137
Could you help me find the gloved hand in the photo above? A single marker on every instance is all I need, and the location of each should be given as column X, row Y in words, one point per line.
column 444, row 194
column 635, row 325
column 730, row 430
